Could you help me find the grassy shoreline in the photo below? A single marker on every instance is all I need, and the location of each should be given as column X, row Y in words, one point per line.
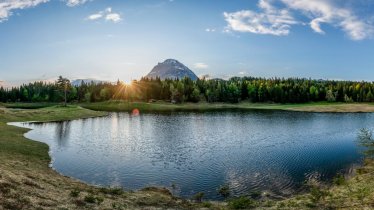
column 123, row 106
column 27, row 182
column 167, row 107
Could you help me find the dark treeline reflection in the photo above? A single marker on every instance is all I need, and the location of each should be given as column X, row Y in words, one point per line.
column 279, row 90
column 61, row 131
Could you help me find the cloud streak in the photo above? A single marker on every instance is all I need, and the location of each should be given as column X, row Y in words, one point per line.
column 106, row 14
column 8, row 6
column 279, row 21
column 73, row 3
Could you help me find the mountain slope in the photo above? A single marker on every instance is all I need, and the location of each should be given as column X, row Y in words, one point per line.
column 171, row 69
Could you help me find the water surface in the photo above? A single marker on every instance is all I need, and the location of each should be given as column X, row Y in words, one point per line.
column 252, row 151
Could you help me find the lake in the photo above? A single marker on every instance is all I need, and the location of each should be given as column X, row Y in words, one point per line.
column 250, row 151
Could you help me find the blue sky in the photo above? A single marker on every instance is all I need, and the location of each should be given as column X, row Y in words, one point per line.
column 124, row 39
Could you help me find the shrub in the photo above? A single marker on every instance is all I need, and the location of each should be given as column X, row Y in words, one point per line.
column 317, row 193
column 255, row 194
column 90, row 199
column 362, row 193
column 206, row 205
column 79, row 202
column 74, row 193
column 224, row 191
column 5, row 187
column 339, row 180
column 112, row 191
column 99, row 200
column 242, row 203
column 198, row 197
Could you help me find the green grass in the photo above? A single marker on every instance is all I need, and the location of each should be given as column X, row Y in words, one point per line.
column 123, row 106
column 51, row 113
column 168, row 107
column 28, row 105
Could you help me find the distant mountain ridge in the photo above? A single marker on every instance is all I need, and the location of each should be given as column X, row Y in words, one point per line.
column 78, row 82
column 171, row 69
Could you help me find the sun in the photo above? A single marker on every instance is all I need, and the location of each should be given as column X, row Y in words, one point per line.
column 127, row 83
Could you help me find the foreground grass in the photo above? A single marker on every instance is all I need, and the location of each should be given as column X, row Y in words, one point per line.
column 356, row 192
column 26, row 181
column 164, row 107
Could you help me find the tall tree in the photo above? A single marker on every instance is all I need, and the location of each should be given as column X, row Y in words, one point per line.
column 64, row 84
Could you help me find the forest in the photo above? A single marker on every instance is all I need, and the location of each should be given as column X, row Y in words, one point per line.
column 234, row 90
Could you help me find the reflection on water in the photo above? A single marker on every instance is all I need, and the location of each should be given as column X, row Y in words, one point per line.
column 62, row 133
column 249, row 151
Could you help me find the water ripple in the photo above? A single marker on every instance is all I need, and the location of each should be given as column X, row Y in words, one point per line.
column 251, row 152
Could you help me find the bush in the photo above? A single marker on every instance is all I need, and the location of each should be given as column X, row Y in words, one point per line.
column 99, row 200
column 362, row 193
column 74, row 193
column 339, row 180
column 79, row 202
column 112, row 191
column 90, row 199
column 242, row 203
column 198, row 197
column 255, row 194
column 224, row 191
column 317, row 194
column 206, row 205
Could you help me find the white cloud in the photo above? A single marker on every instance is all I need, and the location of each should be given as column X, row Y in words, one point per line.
column 114, row 17
column 271, row 21
column 73, row 3
column 201, row 66
column 7, row 6
column 95, row 16
column 278, row 21
column 106, row 14
column 210, row 29
column 324, row 12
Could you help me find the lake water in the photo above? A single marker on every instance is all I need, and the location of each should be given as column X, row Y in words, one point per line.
column 256, row 151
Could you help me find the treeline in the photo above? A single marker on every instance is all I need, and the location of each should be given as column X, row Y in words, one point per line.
column 292, row 90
